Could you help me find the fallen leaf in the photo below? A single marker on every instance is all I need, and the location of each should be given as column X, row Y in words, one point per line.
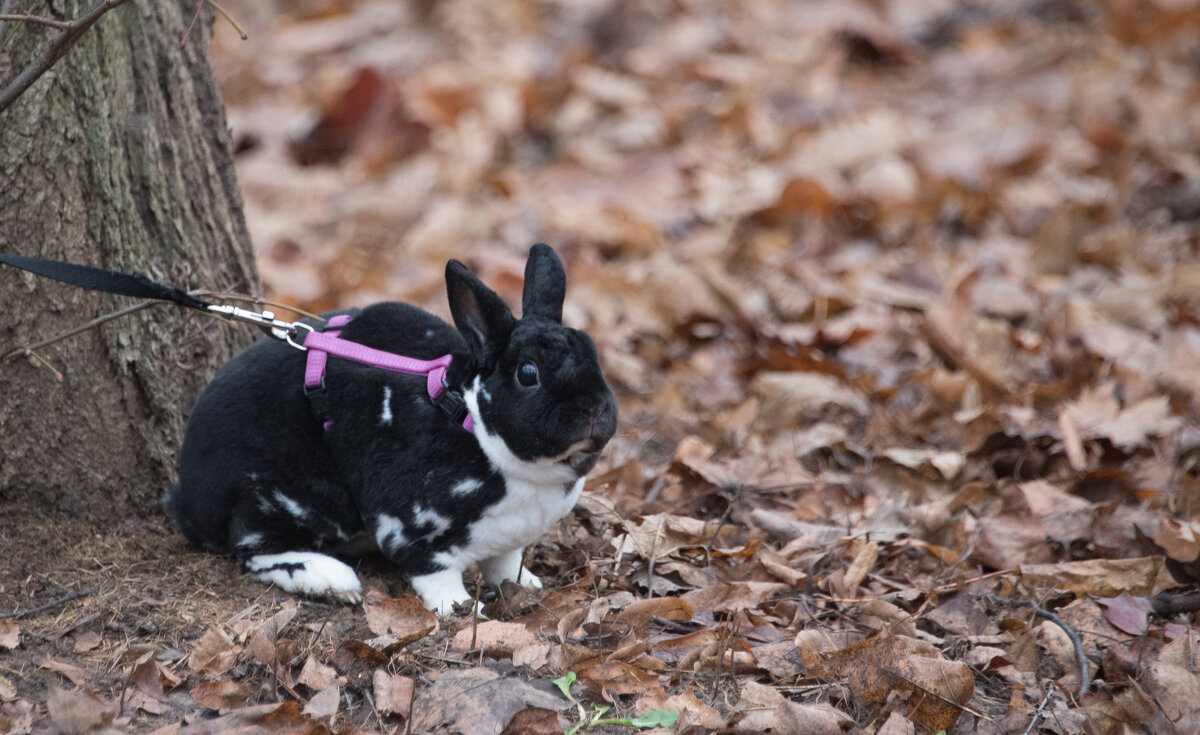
column 794, row 718
column 732, row 596
column 534, row 721
column 1142, row 576
column 1127, row 613
column 75, row 674
column 393, row 694
column 220, row 695
column 86, row 640
column 476, row 700
column 10, row 635
column 615, row 678
column 403, row 618
column 883, row 663
column 316, row 675
column 213, row 654
column 324, row 704
column 495, row 638
column 75, row 712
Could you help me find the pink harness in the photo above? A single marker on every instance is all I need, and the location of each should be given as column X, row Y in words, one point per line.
column 321, row 345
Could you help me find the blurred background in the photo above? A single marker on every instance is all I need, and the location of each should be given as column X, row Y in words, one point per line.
column 959, row 238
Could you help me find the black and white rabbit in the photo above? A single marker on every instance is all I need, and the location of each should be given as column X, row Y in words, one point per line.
column 261, row 478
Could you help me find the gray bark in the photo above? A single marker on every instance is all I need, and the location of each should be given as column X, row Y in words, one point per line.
column 118, row 157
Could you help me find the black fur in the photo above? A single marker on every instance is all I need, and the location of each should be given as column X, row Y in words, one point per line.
column 260, row 475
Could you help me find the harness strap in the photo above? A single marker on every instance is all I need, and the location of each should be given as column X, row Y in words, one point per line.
column 321, row 345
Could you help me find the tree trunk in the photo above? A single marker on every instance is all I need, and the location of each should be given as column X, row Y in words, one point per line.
column 118, row 157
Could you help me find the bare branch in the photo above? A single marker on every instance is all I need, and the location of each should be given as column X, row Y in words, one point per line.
column 71, row 31
column 61, row 25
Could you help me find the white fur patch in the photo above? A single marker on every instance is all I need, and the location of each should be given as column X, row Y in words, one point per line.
column 307, row 573
column 389, row 533
column 441, row 591
column 296, row 510
column 250, row 540
column 465, row 487
column 385, row 416
column 423, row 516
column 508, row 566
column 548, row 471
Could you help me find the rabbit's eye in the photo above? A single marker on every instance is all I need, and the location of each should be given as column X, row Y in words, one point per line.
column 527, row 374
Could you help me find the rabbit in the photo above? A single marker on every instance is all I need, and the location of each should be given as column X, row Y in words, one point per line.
column 262, row 479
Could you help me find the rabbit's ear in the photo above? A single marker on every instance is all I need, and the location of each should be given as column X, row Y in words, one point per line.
column 482, row 317
column 545, row 284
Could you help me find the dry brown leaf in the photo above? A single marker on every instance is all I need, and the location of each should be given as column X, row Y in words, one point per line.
column 324, row 703
column 793, row 718
column 404, row 618
column 86, row 640
column 77, row 711
column 1180, row 540
column 213, row 654
column 1142, row 577
column 220, row 695
column 883, row 663
column 75, row 674
column 316, row 675
column 476, row 700
column 728, row 596
column 534, row 721
column 10, row 635
column 615, row 678
column 1127, row 613
column 393, row 694
column 640, row 612
column 897, row 724
column 147, row 677
column 495, row 638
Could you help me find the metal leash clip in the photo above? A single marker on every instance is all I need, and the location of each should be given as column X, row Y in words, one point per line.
column 280, row 329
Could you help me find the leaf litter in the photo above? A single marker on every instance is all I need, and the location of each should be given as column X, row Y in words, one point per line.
column 900, row 304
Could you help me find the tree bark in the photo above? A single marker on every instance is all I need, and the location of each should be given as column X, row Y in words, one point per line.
column 118, row 157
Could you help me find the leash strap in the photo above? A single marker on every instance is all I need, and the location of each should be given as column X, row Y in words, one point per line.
column 108, row 281
column 321, row 345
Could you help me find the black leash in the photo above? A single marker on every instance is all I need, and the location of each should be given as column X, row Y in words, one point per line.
column 99, row 279
column 140, row 286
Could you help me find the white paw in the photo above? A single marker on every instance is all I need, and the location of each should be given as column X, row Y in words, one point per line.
column 529, row 579
column 307, row 573
column 508, row 566
column 441, row 591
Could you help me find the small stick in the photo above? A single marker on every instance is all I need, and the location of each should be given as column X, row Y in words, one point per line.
column 47, row 606
column 1041, row 710
column 19, row 351
column 228, row 17
column 70, row 33
column 475, row 610
column 1085, row 675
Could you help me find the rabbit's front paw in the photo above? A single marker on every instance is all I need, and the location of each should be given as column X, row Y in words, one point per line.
column 508, row 566
column 307, row 573
column 441, row 591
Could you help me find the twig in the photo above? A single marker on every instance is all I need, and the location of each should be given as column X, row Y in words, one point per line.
column 1085, row 675
column 1165, row 603
column 69, row 34
column 1041, row 710
column 61, row 25
column 19, row 351
column 475, row 610
column 228, row 17
column 186, row 34
column 47, row 606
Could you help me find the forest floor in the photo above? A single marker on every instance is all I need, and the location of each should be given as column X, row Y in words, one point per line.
column 901, row 302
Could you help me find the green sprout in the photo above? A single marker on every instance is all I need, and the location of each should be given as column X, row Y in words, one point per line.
column 653, row 718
